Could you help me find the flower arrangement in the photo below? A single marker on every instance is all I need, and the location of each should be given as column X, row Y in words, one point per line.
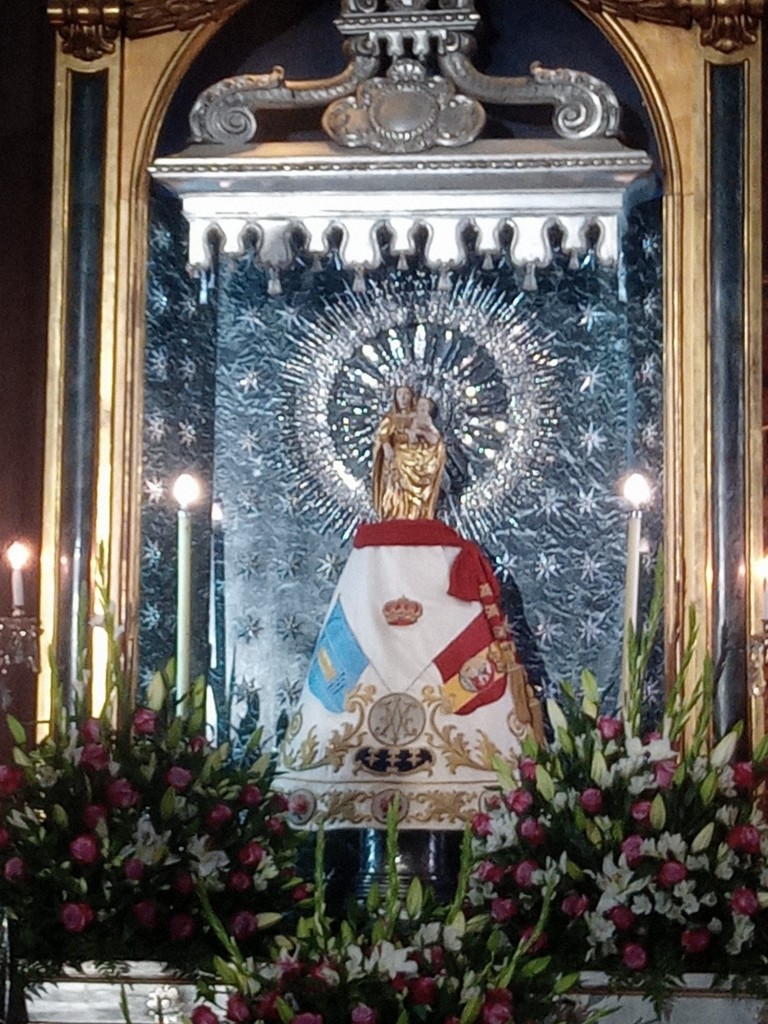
column 652, row 849
column 108, row 832
column 397, row 958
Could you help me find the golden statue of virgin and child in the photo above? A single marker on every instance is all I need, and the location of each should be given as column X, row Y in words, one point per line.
column 415, row 686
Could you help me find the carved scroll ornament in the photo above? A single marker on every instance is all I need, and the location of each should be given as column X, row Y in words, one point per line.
column 88, row 30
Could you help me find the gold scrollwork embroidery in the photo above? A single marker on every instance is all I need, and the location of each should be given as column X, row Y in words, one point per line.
column 340, row 743
column 452, row 744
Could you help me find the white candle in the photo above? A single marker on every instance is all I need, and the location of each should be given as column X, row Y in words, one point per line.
column 185, row 491
column 18, row 556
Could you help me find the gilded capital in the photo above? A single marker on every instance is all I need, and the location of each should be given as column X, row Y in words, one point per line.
column 88, row 30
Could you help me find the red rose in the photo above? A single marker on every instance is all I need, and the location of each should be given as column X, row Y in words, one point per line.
column 437, row 957
column 523, row 873
column 252, row 854
column 181, row 927
column 610, row 728
column 93, row 814
column 144, row 722
column 250, row 796
column 145, row 913
column 238, row 1009
column 302, row 891
column 239, row 881
column 621, row 917
column 178, row 778
column 575, row 905
column 634, row 956
column 422, row 990
column 94, row 756
column 481, row 824
column 203, row 1015
column 744, row 901
column 84, row 849
column 641, row 811
column 276, row 826
column 198, row 744
column 664, row 772
column 632, row 848
column 519, row 800
column 695, row 940
column 218, row 817
column 744, row 775
column 91, row 730
column 503, row 910
column 183, row 883
column 120, row 793
column 134, row 869
column 744, row 839
column 266, row 1006
column 532, row 831
column 363, row 1014
column 527, row 769
column 14, row 870
column 591, row 800
column 11, row 779
column 243, row 925
column 671, row 873
column 497, row 1008
column 75, row 917
column 5, row 838
column 278, row 803
column 487, row 871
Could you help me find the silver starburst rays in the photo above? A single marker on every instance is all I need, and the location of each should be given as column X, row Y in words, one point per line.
column 486, row 365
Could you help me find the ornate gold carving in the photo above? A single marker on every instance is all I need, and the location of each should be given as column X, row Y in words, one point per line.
column 727, row 25
column 88, row 30
column 148, row 17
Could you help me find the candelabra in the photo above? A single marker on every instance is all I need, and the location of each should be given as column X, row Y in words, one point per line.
column 19, row 634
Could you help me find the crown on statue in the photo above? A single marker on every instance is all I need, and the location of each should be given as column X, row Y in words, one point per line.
column 402, row 611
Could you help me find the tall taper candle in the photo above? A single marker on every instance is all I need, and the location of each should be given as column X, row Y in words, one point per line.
column 185, row 490
column 18, row 556
column 637, row 492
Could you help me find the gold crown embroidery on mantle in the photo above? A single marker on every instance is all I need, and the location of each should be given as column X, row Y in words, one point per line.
column 402, row 611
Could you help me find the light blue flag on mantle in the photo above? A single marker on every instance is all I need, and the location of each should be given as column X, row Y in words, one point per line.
column 337, row 663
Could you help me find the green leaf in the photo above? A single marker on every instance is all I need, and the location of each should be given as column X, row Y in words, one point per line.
column 590, row 708
column 17, row 730
column 268, row 919
column 556, row 716
column 414, row 898
column 157, row 692
column 703, row 838
column 534, row 967
column 304, row 928
column 225, row 972
column 284, row 1010
column 599, row 768
column 168, row 804
column 724, row 750
column 544, row 782
column 20, row 758
column 593, row 833
column 503, row 771
column 708, row 788
column 566, row 982
column 174, row 734
column 589, row 687
column 565, row 741
column 573, row 870
column 60, row 816
column 471, row 1011
column 658, row 812
column 402, row 1017
column 373, row 899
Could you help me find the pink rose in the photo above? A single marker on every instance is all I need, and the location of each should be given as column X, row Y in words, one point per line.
column 487, row 871
column 519, row 800
column 218, row 817
column 93, row 814
column 239, row 881
column 203, row 1015
column 610, row 728
column 621, row 917
column 265, row 1006
column 634, row 956
column 238, row 1009
column 252, row 854
column 251, row 796
column 144, row 722
column 278, row 803
column 744, row 901
column 14, row 870
column 744, row 775
column 94, row 756
column 121, row 794
column 84, row 849
column 575, row 905
column 591, row 800
column 527, row 769
column 134, row 869
column 363, row 1014
column 641, row 811
column 75, row 917
column 523, row 873
column 5, row 838
column 178, row 778
column 671, row 873
column 243, row 925
column 532, row 831
column 11, row 779
column 91, row 730
column 632, row 848
column 744, row 839
column 181, row 927
column 503, row 910
column 183, row 883
column 276, row 826
column 497, row 1008
column 302, row 891
column 481, row 824
column 145, row 913
column 422, row 990
column 695, row 940
column 664, row 772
